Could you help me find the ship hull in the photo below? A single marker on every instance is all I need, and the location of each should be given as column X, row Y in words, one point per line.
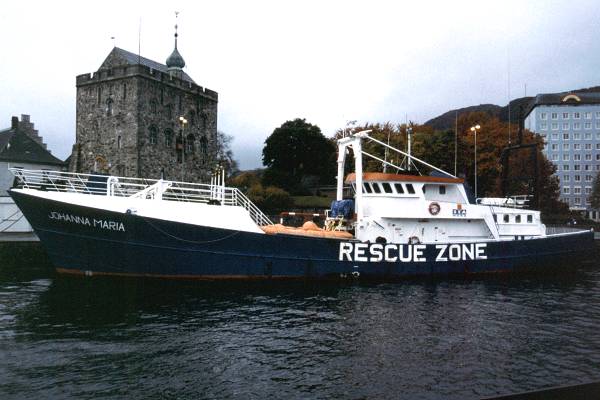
column 94, row 241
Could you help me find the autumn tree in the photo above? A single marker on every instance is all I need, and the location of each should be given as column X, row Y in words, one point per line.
column 297, row 155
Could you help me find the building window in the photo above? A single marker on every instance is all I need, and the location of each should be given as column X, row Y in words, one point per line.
column 588, row 157
column 566, row 167
column 598, row 114
column 588, row 136
column 577, row 136
column 577, row 201
column 109, row 106
column 597, row 157
column 588, row 146
column 577, row 178
column 152, row 135
column 203, row 146
column 566, row 178
column 577, row 190
column 554, row 147
column 576, row 146
column 543, row 116
column 153, row 106
column 588, row 190
column 555, row 136
column 565, row 157
column 576, row 125
column 587, row 125
column 587, row 167
column 554, row 115
column 587, row 115
column 565, row 126
column 565, row 136
column 576, row 167
column 168, row 138
column 555, row 126
column 597, row 167
column 565, row 115
column 566, row 146
column 189, row 144
column 543, row 126
column 589, row 178
column 597, row 146
column 554, row 157
column 566, row 190
column 576, row 115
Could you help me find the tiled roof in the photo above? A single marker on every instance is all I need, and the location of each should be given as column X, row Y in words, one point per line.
column 134, row 59
column 16, row 146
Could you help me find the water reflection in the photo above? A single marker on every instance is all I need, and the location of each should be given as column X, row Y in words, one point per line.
column 113, row 338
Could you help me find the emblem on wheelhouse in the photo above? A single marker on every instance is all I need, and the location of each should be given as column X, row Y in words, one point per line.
column 388, row 225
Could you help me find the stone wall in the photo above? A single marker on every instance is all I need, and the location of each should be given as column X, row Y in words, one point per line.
column 119, row 109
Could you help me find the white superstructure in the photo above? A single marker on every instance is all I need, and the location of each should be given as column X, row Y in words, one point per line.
column 396, row 208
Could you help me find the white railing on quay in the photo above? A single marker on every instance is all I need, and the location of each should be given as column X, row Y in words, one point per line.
column 106, row 185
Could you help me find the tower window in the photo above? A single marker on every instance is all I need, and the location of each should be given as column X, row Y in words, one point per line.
column 119, row 145
column 169, row 111
column 168, row 138
column 153, row 106
column 109, row 106
column 152, row 135
column 124, row 91
column 204, row 146
column 189, row 144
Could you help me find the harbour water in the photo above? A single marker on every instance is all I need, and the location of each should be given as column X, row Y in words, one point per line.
column 458, row 339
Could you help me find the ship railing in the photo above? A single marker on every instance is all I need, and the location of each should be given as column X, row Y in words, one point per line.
column 105, row 185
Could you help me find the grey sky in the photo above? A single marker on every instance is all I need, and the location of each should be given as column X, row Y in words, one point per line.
column 326, row 61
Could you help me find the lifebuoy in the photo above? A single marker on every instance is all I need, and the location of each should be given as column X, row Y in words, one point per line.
column 434, row 208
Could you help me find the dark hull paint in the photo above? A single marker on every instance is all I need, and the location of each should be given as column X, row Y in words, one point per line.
column 94, row 243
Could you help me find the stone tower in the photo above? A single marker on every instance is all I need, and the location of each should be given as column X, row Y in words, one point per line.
column 137, row 117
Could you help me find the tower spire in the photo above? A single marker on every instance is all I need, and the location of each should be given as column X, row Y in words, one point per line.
column 175, row 61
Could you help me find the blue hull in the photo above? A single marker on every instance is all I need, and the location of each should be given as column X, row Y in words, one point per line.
column 90, row 241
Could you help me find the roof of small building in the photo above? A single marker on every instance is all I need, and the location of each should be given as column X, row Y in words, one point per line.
column 16, row 146
column 119, row 56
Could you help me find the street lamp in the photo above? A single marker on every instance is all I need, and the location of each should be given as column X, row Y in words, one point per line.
column 183, row 122
column 474, row 129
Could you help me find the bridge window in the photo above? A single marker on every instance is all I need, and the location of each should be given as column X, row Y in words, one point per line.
column 506, row 218
column 367, row 188
column 518, row 219
column 410, row 189
column 399, row 188
column 495, row 218
column 442, row 189
column 376, row 188
column 386, row 187
column 530, row 219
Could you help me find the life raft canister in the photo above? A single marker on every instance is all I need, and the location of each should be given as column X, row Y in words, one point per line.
column 434, row 208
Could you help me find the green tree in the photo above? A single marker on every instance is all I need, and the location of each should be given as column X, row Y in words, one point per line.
column 297, row 153
column 595, row 196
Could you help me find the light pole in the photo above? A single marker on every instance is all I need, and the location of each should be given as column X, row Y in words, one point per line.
column 183, row 122
column 474, row 129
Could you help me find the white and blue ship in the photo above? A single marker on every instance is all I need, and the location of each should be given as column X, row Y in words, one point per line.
column 392, row 225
